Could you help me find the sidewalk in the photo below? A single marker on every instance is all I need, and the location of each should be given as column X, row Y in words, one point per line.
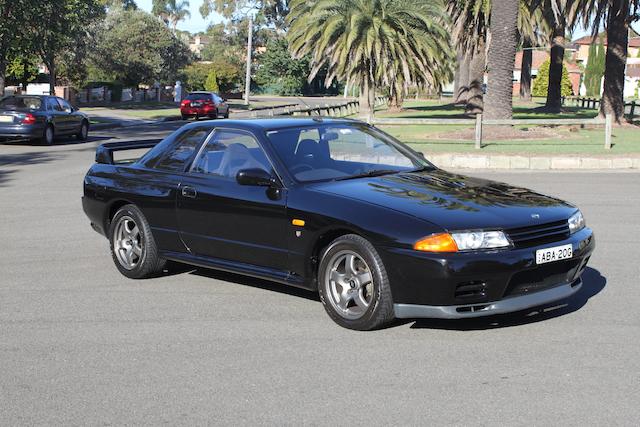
column 556, row 162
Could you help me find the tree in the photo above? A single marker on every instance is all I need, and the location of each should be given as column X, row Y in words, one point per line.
column 14, row 39
column 280, row 72
column 212, row 81
column 271, row 12
column 134, row 47
column 541, row 83
column 532, row 31
column 617, row 16
column 470, row 21
column 171, row 11
column 501, row 58
column 61, row 25
column 595, row 68
column 368, row 42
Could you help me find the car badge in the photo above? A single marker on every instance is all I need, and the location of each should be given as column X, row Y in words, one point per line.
column 535, row 216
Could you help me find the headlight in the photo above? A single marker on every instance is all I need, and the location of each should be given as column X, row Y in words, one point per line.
column 454, row 242
column 480, row 240
column 576, row 222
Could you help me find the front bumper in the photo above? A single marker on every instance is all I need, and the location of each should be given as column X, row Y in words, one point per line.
column 472, row 284
column 507, row 305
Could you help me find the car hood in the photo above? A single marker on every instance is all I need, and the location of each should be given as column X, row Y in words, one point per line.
column 454, row 202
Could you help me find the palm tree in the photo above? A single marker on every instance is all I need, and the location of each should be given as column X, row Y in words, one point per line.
column 470, row 28
column 617, row 16
column 501, row 58
column 370, row 42
column 171, row 11
column 532, row 31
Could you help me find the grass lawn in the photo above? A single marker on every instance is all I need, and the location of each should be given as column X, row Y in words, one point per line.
column 626, row 140
column 437, row 138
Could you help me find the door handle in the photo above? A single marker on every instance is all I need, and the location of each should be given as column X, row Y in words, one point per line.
column 189, row 192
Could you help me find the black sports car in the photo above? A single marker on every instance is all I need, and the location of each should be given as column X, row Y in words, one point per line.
column 339, row 207
column 40, row 117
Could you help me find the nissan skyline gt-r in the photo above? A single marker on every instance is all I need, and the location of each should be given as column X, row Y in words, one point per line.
column 339, row 207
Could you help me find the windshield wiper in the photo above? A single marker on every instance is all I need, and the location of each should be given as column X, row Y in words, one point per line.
column 375, row 172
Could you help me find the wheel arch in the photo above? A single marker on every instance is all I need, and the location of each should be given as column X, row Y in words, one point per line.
column 111, row 209
column 324, row 239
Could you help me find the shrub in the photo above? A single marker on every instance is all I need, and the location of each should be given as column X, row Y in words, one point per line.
column 541, row 82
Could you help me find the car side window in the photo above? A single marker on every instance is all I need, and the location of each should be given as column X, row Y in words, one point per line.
column 53, row 105
column 175, row 160
column 65, row 105
column 228, row 152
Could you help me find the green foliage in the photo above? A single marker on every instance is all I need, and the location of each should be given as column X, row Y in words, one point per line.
column 595, row 68
column 134, row 47
column 195, row 75
column 279, row 73
column 269, row 11
column 22, row 69
column 212, row 82
column 374, row 43
column 541, row 82
column 171, row 11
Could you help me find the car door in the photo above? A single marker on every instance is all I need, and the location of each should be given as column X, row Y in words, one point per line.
column 72, row 120
column 56, row 114
column 219, row 218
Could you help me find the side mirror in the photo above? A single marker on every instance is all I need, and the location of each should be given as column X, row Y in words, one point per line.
column 256, row 177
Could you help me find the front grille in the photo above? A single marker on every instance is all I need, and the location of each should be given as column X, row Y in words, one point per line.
column 525, row 237
column 543, row 276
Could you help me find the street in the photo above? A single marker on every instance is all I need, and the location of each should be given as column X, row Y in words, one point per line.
column 82, row 345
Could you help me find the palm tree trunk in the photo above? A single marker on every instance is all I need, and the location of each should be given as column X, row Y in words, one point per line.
column 525, row 71
column 461, row 92
column 367, row 97
column 477, row 67
column 616, row 60
column 554, row 90
column 502, row 55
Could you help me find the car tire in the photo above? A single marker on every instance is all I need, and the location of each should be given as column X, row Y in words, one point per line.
column 226, row 115
column 133, row 248
column 184, row 117
column 353, row 284
column 214, row 115
column 83, row 133
column 48, row 135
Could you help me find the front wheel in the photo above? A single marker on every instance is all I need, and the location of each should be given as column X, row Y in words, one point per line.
column 83, row 133
column 353, row 284
column 133, row 248
column 48, row 135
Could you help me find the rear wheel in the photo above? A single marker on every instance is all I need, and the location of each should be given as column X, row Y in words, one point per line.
column 353, row 284
column 185, row 117
column 214, row 114
column 48, row 135
column 226, row 115
column 133, row 248
column 83, row 133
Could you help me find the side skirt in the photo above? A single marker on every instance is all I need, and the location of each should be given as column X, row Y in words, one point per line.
column 239, row 268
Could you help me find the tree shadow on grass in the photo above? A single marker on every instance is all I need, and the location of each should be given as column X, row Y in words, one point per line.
column 592, row 284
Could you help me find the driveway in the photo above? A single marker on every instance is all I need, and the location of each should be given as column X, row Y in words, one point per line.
column 80, row 344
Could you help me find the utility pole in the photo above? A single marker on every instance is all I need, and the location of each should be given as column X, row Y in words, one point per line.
column 247, row 81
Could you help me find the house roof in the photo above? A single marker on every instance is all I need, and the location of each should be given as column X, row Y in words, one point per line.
column 539, row 56
column 587, row 40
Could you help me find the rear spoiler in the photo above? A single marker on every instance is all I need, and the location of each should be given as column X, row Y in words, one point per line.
column 104, row 153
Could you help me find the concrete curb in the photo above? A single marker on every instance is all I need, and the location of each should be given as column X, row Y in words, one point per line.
column 465, row 161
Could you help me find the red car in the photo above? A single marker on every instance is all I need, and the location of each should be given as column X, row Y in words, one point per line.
column 204, row 104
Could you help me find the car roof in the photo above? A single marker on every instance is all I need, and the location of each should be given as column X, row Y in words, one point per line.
column 275, row 123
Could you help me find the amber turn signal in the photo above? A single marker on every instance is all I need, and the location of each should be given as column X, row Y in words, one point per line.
column 442, row 242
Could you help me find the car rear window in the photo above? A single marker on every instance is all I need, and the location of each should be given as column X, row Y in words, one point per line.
column 199, row 97
column 21, row 103
column 186, row 144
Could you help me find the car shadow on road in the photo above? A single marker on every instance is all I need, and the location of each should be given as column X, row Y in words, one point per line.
column 592, row 283
column 176, row 268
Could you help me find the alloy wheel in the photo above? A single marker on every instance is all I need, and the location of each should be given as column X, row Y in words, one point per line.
column 349, row 284
column 127, row 243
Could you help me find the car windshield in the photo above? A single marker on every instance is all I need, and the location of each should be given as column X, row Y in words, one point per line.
column 341, row 151
column 21, row 103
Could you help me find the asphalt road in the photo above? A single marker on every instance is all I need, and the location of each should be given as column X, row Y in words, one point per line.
column 81, row 344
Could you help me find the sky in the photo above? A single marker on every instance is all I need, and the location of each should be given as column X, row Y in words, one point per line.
column 197, row 23
column 194, row 24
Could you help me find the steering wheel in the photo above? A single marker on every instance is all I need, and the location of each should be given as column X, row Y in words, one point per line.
column 302, row 166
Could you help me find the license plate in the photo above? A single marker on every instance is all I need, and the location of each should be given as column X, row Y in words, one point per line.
column 196, row 104
column 556, row 253
column 6, row 119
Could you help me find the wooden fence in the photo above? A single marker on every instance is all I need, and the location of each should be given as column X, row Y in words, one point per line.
column 594, row 104
column 479, row 122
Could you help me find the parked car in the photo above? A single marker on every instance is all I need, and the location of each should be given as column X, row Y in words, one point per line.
column 339, row 207
column 40, row 117
column 204, row 104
